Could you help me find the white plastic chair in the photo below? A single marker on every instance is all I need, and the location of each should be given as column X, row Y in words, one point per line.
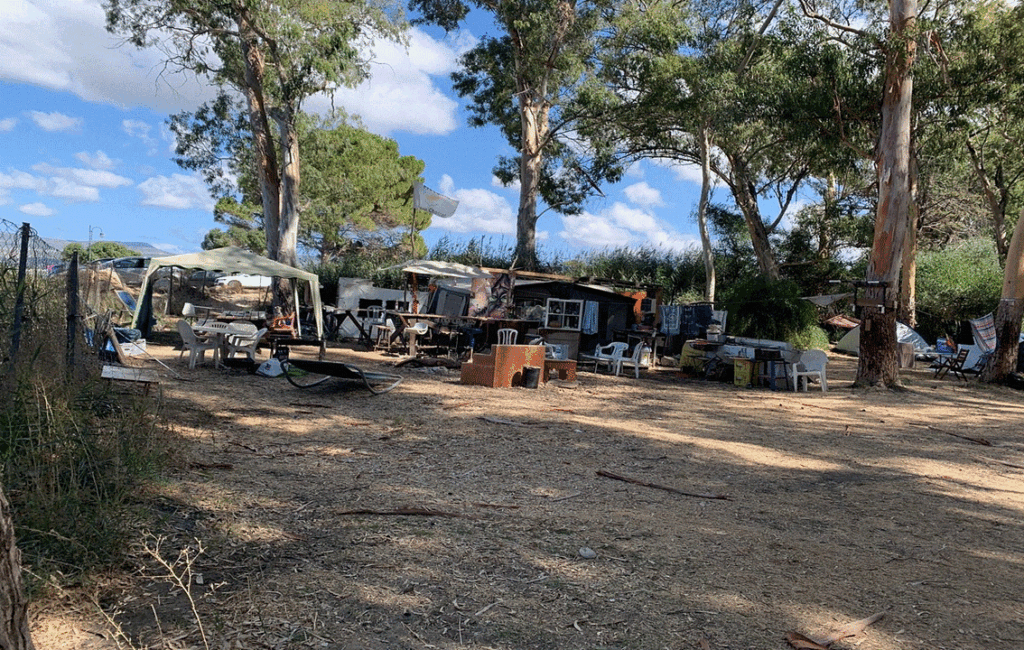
column 507, row 336
column 195, row 345
column 811, row 364
column 243, row 337
column 639, row 359
column 607, row 355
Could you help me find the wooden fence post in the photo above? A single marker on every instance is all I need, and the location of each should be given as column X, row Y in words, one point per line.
column 14, row 632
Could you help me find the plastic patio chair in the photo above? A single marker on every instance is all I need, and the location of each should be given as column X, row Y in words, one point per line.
column 607, row 355
column 507, row 336
column 195, row 345
column 810, row 364
column 640, row 359
column 243, row 337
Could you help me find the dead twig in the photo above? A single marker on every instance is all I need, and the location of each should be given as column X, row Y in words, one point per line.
column 721, row 497
column 405, row 512
column 511, row 423
column 211, row 466
column 977, row 441
column 1000, row 462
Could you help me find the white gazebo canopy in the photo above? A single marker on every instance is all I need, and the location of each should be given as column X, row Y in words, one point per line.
column 231, row 259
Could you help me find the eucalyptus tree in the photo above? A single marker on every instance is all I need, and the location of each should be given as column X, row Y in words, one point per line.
column 522, row 81
column 977, row 83
column 715, row 84
column 275, row 54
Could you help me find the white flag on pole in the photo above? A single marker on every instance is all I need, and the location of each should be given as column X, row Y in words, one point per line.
column 424, row 198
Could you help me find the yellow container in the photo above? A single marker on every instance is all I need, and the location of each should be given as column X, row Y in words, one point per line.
column 743, row 371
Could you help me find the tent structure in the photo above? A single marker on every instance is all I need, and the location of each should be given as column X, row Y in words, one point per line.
column 904, row 334
column 230, row 260
column 448, row 269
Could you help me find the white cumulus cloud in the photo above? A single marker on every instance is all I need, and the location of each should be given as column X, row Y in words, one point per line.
column 55, row 121
column 98, row 160
column 400, row 94
column 644, row 195
column 621, row 225
column 37, row 210
column 71, row 190
column 90, row 177
column 63, row 45
column 8, row 124
column 177, row 192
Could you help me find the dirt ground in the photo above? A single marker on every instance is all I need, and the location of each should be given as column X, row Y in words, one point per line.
column 448, row 516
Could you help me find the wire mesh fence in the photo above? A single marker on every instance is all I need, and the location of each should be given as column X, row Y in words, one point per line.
column 32, row 306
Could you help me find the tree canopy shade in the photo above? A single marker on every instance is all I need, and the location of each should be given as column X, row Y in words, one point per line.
column 523, row 81
column 276, row 53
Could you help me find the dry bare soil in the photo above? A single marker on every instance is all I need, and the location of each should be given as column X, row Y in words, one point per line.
column 449, row 516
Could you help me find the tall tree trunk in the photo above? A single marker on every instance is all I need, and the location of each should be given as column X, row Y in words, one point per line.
column 14, row 632
column 702, row 214
column 746, row 198
column 877, row 364
column 907, row 311
column 1011, row 309
column 534, row 130
column 263, row 146
column 288, row 232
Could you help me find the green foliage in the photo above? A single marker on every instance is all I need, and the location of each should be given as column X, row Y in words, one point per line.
column 249, row 239
column 475, row 252
column 72, row 458
column 98, row 251
column 811, row 337
column 356, row 187
column 766, row 309
column 72, row 455
column 679, row 274
column 956, row 284
column 525, row 81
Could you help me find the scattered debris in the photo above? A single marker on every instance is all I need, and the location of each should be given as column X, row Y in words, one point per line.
column 801, row 642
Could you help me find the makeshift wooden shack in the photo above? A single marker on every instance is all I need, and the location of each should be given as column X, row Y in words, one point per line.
column 580, row 316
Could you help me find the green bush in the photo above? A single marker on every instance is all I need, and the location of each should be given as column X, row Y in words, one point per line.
column 766, row 309
column 72, row 457
column 955, row 284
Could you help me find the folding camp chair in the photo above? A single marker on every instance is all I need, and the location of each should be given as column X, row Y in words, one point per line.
column 984, row 331
column 954, row 365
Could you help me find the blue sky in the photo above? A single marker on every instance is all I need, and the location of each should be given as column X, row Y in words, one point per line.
column 84, row 143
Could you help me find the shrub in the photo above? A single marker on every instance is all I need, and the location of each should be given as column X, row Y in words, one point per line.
column 956, row 284
column 766, row 309
column 71, row 457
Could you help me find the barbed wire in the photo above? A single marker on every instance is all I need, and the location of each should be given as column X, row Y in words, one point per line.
column 41, row 256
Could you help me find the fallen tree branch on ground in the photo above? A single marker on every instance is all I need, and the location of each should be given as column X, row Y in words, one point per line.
column 977, row 441
column 405, row 512
column 721, row 497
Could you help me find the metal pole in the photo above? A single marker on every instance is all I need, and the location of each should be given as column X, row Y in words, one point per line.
column 19, row 304
column 72, row 312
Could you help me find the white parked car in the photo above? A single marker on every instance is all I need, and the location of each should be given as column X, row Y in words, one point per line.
column 244, row 281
